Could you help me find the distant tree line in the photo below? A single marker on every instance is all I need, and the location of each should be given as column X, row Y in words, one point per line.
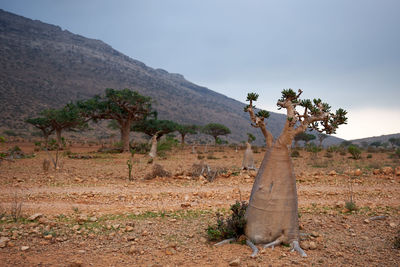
column 126, row 110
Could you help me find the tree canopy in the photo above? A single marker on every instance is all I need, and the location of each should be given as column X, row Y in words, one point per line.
column 154, row 126
column 43, row 124
column 123, row 106
column 215, row 130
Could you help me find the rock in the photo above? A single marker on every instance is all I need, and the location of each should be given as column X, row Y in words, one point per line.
column 397, row 171
column 340, row 204
column 76, row 227
column 186, row 205
column 129, row 229
column 35, row 216
column 75, row 264
column 116, row 226
column 376, row 171
column 133, row 250
column 313, row 245
column 235, row 262
column 169, row 251
column 315, row 234
column 332, row 173
column 393, row 225
column 387, row 170
column 93, row 219
column 203, row 240
column 24, row 248
column 82, row 218
column 367, row 221
column 81, row 251
column 4, row 241
column 357, row 172
column 48, row 237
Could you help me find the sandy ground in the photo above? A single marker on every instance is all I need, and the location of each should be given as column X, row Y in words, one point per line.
column 91, row 215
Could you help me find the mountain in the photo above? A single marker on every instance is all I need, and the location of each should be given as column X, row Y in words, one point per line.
column 382, row 139
column 44, row 66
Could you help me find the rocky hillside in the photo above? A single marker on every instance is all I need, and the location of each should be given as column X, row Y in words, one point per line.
column 44, row 66
column 381, row 138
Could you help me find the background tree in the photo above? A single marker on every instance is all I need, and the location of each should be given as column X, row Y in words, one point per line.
column 44, row 125
column 66, row 118
column 303, row 137
column 123, row 106
column 321, row 138
column 272, row 214
column 151, row 127
column 250, row 138
column 376, row 143
column 215, row 130
column 185, row 129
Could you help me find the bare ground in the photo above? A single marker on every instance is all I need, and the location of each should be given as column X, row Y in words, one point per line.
column 93, row 216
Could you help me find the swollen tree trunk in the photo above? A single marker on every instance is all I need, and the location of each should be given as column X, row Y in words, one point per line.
column 272, row 212
column 153, row 149
column 248, row 159
column 182, row 139
column 59, row 139
column 125, row 131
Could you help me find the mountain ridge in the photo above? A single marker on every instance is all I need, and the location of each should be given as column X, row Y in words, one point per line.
column 50, row 66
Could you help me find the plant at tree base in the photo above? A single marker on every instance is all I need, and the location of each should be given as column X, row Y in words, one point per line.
column 231, row 227
column 272, row 214
column 123, row 106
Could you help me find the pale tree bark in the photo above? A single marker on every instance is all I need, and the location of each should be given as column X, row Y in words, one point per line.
column 125, row 131
column 59, row 138
column 153, row 149
column 248, row 158
column 272, row 213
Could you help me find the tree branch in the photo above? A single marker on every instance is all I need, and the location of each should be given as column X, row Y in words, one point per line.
column 258, row 122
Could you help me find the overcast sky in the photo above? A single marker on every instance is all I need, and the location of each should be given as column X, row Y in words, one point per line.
column 344, row 52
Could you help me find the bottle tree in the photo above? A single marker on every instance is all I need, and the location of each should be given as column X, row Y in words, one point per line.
column 152, row 127
column 123, row 106
column 272, row 213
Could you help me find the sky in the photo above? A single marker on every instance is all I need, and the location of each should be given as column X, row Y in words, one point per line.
column 345, row 52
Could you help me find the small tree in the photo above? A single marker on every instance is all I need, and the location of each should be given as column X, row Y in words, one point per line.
column 123, row 106
column 303, row 137
column 321, row 138
column 354, row 151
column 250, row 138
column 44, row 125
column 66, row 118
column 272, row 214
column 154, row 126
column 185, row 129
column 215, row 130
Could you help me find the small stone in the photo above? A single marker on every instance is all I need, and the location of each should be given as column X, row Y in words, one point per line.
column 367, row 221
column 145, row 233
column 235, row 262
column 169, row 251
column 340, row 204
column 24, row 248
column 392, row 224
column 81, row 251
column 186, row 205
column 35, row 216
column 116, row 226
column 48, row 237
column 376, row 171
column 4, row 241
column 93, row 219
column 397, row 171
column 76, row 227
column 332, row 173
column 387, row 170
column 133, row 250
column 203, row 240
column 315, row 234
column 313, row 245
column 129, row 229
column 357, row 172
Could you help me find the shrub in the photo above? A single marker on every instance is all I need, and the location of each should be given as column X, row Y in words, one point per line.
column 351, row 206
column 354, row 151
column 295, row 154
column 369, row 156
column 232, row 226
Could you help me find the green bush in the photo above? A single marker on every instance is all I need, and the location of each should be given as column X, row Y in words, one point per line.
column 369, row 156
column 354, row 151
column 351, row 206
column 295, row 154
column 232, row 226
column 167, row 144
